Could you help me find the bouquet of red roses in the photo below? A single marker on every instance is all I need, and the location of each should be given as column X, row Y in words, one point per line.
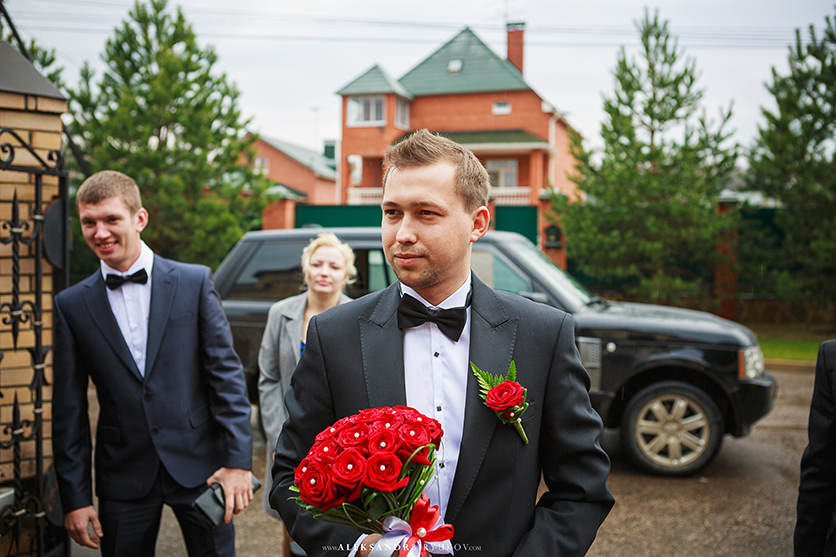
column 369, row 470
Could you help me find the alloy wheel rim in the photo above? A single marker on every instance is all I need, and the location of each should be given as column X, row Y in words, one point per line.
column 672, row 431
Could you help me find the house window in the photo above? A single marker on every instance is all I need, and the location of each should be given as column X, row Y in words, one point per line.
column 501, row 107
column 503, row 172
column 366, row 111
column 455, row 65
column 262, row 165
column 402, row 113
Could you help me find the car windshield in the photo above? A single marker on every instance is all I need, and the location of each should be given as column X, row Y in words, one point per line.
column 574, row 295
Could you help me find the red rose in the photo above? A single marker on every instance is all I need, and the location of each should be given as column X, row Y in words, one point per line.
column 388, row 418
column 316, row 488
column 412, row 436
column 505, row 396
column 348, row 470
column 333, row 431
column 326, row 451
column 383, row 441
column 301, row 469
column 355, row 435
column 382, row 471
column 366, row 416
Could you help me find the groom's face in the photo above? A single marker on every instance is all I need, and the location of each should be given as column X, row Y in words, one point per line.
column 427, row 231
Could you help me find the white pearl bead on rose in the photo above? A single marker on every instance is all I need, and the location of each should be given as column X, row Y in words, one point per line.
column 421, row 532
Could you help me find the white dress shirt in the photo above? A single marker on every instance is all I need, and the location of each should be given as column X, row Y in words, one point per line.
column 131, row 305
column 435, row 374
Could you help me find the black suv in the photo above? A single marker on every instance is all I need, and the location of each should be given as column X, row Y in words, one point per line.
column 674, row 380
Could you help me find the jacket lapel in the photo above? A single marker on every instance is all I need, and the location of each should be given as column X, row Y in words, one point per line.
column 97, row 304
column 381, row 343
column 291, row 335
column 492, row 335
column 164, row 279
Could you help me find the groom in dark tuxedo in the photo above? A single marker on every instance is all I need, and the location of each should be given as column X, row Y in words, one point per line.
column 173, row 409
column 370, row 353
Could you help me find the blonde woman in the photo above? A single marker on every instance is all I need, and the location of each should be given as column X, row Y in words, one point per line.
column 327, row 266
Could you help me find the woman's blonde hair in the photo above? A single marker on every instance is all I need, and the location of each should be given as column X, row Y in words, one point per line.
column 328, row 239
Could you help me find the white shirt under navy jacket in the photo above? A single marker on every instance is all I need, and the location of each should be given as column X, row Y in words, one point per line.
column 131, row 305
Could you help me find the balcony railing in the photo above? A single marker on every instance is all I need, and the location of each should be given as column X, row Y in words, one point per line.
column 365, row 196
column 501, row 196
column 511, row 196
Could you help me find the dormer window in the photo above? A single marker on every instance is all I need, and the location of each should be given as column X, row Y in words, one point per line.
column 455, row 65
column 366, row 111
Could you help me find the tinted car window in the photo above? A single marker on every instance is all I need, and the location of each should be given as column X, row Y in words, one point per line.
column 497, row 273
column 272, row 273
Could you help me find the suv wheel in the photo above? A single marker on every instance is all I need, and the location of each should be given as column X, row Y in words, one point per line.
column 671, row 429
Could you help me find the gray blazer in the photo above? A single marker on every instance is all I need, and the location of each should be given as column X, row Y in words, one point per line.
column 277, row 358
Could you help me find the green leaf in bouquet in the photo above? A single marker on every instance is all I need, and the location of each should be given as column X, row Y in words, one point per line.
column 376, row 505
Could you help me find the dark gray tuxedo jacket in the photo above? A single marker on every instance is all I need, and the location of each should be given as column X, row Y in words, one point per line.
column 353, row 359
column 190, row 412
column 815, row 531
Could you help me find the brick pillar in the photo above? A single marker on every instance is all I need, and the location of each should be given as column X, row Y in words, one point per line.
column 725, row 279
column 279, row 215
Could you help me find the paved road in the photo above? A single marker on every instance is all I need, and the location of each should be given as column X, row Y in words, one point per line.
column 743, row 505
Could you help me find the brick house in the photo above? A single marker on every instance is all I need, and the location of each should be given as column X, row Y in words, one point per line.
column 473, row 96
column 301, row 175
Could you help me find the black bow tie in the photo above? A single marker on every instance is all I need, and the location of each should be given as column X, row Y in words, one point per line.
column 115, row 281
column 412, row 313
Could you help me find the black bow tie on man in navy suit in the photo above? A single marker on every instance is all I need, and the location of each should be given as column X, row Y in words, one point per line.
column 412, row 313
column 115, row 281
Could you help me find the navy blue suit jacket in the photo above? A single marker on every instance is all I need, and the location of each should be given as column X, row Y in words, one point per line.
column 189, row 412
column 353, row 359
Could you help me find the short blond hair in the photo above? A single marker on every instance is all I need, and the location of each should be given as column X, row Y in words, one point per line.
column 107, row 184
column 424, row 148
column 328, row 239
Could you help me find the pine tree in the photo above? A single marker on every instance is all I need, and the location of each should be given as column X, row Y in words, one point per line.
column 649, row 222
column 793, row 162
column 161, row 115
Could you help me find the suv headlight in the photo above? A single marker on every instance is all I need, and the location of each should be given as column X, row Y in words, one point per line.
column 751, row 362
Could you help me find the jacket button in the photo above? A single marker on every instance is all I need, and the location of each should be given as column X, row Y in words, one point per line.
column 147, row 397
column 155, row 430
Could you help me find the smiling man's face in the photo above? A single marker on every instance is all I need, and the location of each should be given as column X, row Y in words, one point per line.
column 112, row 232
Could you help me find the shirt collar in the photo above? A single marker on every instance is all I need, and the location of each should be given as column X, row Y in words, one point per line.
column 144, row 261
column 456, row 300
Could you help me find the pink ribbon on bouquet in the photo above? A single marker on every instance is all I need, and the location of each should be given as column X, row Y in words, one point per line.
column 416, row 536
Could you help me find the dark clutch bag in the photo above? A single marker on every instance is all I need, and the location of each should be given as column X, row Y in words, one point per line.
column 211, row 505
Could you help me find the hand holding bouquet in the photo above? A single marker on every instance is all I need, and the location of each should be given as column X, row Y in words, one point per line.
column 369, row 471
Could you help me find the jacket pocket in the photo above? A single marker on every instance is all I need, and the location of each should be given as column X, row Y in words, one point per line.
column 108, row 434
column 199, row 416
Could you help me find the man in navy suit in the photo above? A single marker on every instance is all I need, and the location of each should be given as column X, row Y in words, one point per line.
column 173, row 410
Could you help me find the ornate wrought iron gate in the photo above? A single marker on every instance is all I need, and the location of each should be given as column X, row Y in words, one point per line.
column 36, row 232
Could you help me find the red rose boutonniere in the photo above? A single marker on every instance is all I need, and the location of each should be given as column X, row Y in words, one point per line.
column 504, row 396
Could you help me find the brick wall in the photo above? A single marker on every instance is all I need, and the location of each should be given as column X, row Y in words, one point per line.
column 37, row 121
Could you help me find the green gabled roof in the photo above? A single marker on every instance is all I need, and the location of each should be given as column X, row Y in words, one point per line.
column 318, row 163
column 375, row 82
column 482, row 70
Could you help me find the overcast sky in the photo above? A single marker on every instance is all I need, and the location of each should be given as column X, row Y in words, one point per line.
column 289, row 58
